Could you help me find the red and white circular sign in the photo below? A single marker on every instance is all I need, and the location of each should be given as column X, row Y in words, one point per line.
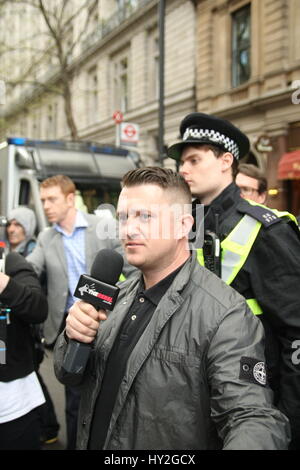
column 129, row 133
column 118, row 117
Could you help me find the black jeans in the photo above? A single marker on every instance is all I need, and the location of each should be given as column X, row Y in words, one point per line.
column 22, row 433
column 72, row 395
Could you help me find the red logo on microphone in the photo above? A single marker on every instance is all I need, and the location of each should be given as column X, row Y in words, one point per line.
column 104, row 297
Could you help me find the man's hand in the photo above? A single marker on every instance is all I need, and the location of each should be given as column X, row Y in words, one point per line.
column 3, row 281
column 83, row 321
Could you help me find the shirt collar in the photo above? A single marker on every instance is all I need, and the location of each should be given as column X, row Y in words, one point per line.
column 80, row 222
column 156, row 292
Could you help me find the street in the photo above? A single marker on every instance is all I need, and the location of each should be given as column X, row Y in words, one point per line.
column 56, row 390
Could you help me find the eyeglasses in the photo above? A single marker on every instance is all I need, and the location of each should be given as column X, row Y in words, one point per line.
column 247, row 190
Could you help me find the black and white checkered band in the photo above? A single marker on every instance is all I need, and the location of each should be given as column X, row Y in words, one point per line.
column 214, row 137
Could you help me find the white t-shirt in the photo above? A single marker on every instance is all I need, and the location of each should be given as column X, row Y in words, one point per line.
column 19, row 397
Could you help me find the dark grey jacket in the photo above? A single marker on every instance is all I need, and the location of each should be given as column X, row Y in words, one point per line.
column 182, row 387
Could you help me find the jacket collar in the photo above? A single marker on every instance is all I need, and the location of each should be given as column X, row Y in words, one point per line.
column 221, row 208
column 224, row 200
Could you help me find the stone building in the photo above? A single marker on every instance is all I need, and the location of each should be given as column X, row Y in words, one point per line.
column 239, row 59
column 114, row 67
column 248, row 71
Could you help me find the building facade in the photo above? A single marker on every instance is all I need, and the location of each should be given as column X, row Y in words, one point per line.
column 239, row 59
column 248, row 71
column 114, row 66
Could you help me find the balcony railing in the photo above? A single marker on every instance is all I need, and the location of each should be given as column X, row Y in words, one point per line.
column 111, row 23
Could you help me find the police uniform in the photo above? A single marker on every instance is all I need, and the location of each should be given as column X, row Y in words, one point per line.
column 260, row 259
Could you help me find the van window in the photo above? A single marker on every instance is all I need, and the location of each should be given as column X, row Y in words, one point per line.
column 95, row 195
column 24, row 194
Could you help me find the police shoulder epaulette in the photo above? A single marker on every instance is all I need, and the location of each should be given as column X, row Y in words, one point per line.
column 261, row 213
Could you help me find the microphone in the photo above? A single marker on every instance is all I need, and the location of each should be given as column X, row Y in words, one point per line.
column 98, row 290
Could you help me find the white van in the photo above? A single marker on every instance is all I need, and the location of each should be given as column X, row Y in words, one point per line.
column 96, row 169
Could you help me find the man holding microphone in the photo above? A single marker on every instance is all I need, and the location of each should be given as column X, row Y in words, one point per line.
column 179, row 362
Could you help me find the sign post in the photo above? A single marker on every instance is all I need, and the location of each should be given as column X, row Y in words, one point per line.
column 118, row 118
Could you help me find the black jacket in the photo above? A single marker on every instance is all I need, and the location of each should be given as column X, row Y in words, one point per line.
column 271, row 275
column 28, row 305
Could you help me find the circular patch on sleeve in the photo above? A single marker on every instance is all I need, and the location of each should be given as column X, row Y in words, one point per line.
column 259, row 373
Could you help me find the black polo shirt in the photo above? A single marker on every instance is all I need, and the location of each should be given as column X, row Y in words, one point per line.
column 133, row 326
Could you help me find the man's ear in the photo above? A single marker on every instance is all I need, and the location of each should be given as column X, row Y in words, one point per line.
column 261, row 198
column 187, row 221
column 227, row 160
column 71, row 199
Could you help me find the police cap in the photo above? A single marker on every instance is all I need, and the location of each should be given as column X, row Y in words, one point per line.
column 200, row 128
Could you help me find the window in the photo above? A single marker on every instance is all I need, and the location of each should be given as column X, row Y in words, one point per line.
column 153, row 65
column 51, row 122
column 241, row 46
column 121, row 85
column 94, row 16
column 92, row 95
column 127, row 3
column 36, row 125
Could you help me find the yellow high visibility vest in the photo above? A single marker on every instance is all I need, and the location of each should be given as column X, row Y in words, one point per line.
column 236, row 247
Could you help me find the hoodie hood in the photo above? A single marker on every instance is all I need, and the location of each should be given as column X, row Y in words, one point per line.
column 25, row 217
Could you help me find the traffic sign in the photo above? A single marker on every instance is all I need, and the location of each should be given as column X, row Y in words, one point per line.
column 118, row 117
column 129, row 133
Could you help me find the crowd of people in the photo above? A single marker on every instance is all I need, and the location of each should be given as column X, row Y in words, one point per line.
column 199, row 350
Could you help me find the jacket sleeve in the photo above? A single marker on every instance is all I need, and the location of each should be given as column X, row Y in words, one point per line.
column 64, row 377
column 23, row 292
column 37, row 257
column 275, row 277
column 240, row 401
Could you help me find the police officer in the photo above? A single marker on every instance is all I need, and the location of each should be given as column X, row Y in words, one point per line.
column 260, row 249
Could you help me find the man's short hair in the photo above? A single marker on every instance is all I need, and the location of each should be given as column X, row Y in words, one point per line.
column 253, row 171
column 65, row 183
column 165, row 178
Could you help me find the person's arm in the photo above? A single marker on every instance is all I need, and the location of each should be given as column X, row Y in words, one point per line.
column 21, row 291
column 4, row 278
column 275, row 277
column 240, row 399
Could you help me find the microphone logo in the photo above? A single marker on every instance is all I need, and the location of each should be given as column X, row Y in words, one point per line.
column 83, row 289
column 90, row 290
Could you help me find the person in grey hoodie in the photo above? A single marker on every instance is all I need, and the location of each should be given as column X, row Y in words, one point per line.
column 21, row 225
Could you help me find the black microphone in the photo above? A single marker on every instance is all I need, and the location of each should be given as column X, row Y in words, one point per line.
column 100, row 291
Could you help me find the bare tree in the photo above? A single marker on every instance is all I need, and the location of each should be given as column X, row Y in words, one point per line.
column 59, row 17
